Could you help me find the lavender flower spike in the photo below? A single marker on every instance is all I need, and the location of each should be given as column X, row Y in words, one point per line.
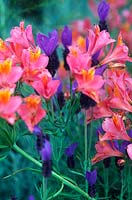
column 91, row 177
column 103, row 10
column 70, row 155
column 48, row 43
column 46, row 151
column 66, row 36
column 46, row 154
column 71, row 149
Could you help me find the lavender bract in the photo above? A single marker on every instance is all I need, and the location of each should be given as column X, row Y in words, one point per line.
column 48, row 43
column 66, row 36
column 91, row 177
column 71, row 149
column 37, row 130
column 46, row 151
column 103, row 10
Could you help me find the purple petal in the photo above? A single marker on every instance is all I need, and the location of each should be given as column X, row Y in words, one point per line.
column 31, row 197
column 46, row 152
column 74, row 85
column 99, row 130
column 91, row 177
column 71, row 149
column 87, row 43
column 48, row 43
column 123, row 146
column 59, row 88
column 37, row 130
column 130, row 133
column 96, row 55
column 103, row 10
column 100, row 70
column 116, row 145
column 66, row 36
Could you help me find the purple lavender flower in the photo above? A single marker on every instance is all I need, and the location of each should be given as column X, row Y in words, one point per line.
column 103, row 10
column 37, row 130
column 70, row 155
column 71, row 149
column 91, row 177
column 48, row 43
column 46, row 151
column 66, row 36
column 40, row 137
column 46, row 154
column 31, row 197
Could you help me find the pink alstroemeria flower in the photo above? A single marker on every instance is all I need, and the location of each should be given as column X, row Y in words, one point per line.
column 78, row 60
column 119, row 89
column 46, row 87
column 129, row 151
column 9, row 105
column 89, row 83
column 34, row 63
column 22, row 36
column 31, row 111
column 115, row 129
column 105, row 150
column 119, row 54
column 98, row 40
column 9, row 74
column 101, row 110
column 4, row 50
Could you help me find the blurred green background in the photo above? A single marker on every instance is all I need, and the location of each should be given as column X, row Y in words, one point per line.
column 44, row 15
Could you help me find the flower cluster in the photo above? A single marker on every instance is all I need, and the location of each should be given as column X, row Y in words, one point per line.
column 21, row 61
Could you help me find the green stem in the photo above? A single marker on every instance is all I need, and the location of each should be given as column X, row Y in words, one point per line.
column 52, row 109
column 90, row 140
column 122, row 186
column 21, row 170
column 129, row 181
column 86, row 140
column 44, row 181
column 86, row 148
column 57, row 193
column 106, row 179
column 54, row 174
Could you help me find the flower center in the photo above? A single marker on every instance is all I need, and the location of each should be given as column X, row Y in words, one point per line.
column 5, row 96
column 34, row 55
column 6, row 66
column 88, row 75
column 32, row 101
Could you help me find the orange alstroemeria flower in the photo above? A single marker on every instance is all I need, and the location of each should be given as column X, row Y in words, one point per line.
column 105, row 150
